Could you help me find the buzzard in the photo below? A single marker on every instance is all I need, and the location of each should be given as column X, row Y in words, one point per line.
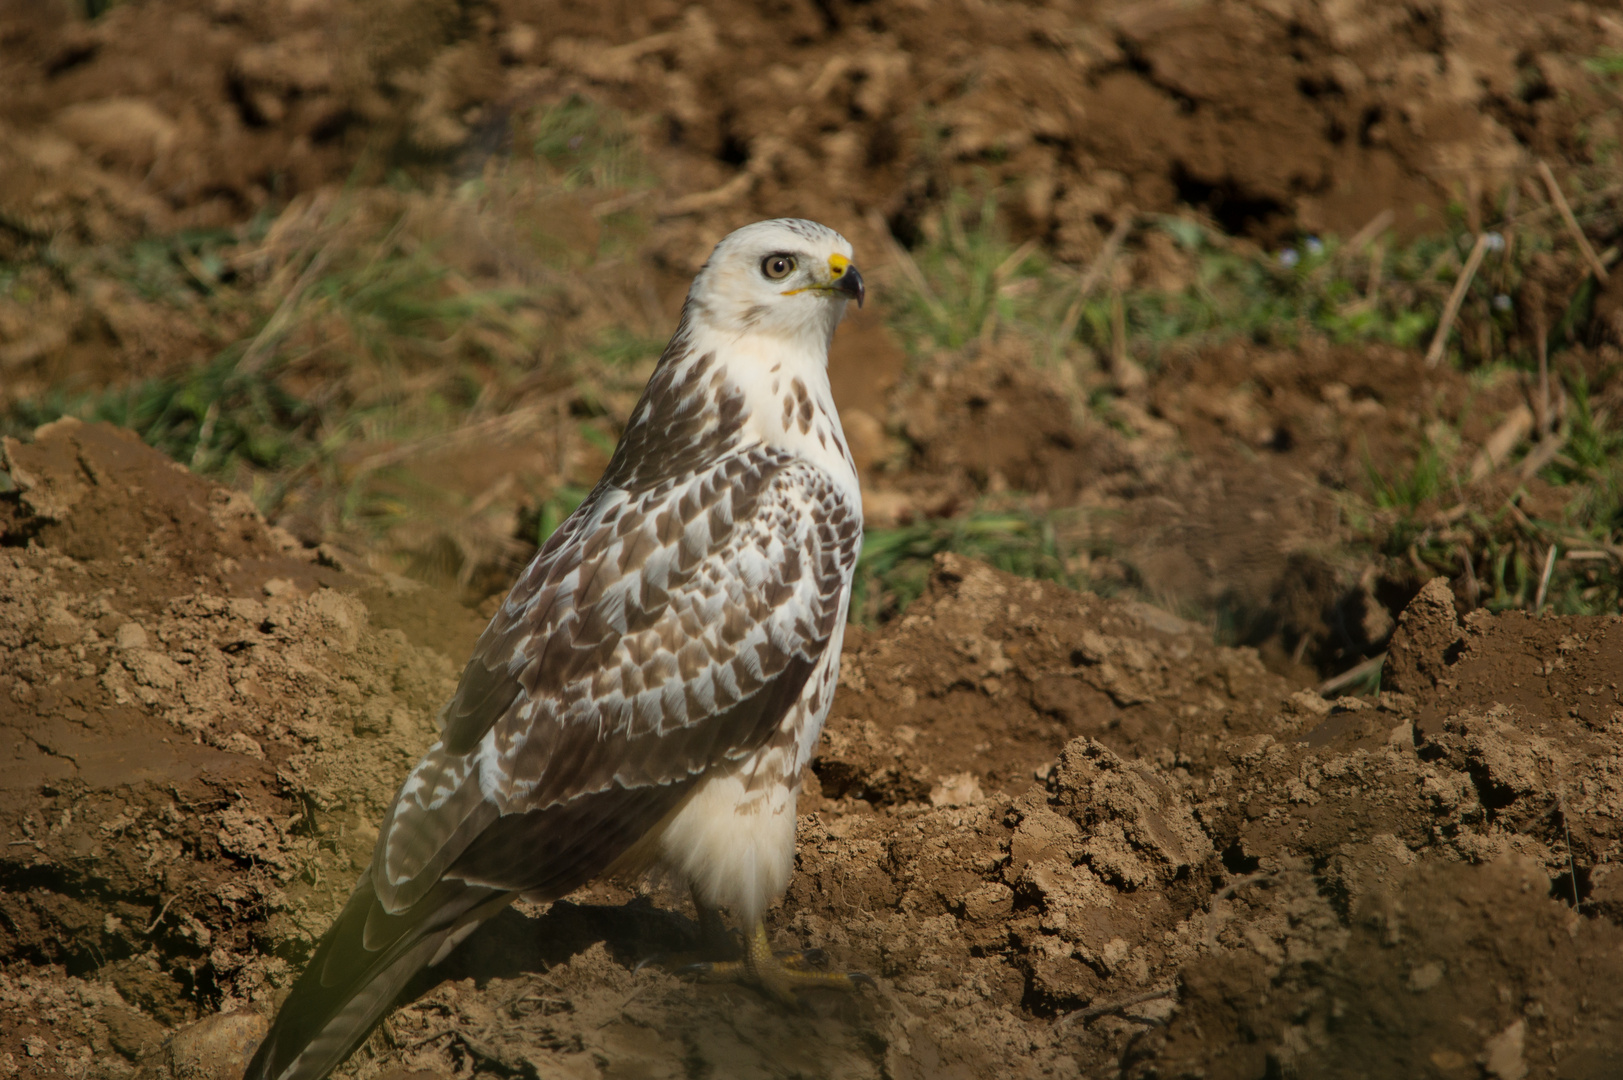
column 651, row 689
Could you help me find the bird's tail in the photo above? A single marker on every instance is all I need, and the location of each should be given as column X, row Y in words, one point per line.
column 359, row 967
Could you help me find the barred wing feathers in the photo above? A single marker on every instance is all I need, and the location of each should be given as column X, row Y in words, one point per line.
column 660, row 632
column 670, row 631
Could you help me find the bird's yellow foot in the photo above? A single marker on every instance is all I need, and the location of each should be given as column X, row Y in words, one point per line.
column 715, row 940
column 779, row 974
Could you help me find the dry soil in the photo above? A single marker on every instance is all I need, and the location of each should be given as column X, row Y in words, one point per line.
column 1068, row 835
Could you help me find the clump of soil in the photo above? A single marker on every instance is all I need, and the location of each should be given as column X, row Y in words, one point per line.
column 983, row 682
column 1067, row 834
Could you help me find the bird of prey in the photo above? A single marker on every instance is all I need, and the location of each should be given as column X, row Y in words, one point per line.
column 653, row 685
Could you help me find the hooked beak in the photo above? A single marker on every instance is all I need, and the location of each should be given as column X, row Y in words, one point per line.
column 850, row 283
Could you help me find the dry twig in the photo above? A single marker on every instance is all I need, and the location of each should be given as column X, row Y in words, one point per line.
column 1543, row 385
column 1094, row 274
column 1093, row 1012
column 1572, row 860
column 1355, row 674
column 1439, row 341
column 211, row 416
column 1541, row 455
column 1129, row 377
column 1544, row 579
column 1000, row 275
column 1473, row 587
column 1561, row 206
column 1497, row 447
column 259, row 349
column 1371, row 230
column 505, row 425
column 1233, row 887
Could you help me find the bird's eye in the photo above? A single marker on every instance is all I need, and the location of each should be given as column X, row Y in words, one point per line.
column 777, row 267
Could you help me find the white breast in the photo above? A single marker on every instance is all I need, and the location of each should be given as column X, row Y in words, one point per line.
column 785, row 382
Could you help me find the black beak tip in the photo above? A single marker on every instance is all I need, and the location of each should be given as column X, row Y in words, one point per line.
column 850, row 283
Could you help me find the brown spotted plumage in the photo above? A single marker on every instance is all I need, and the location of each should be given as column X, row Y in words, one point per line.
column 652, row 687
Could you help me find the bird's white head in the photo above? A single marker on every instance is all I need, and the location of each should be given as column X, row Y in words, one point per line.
column 786, row 278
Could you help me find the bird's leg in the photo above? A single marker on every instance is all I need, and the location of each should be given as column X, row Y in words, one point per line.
column 714, row 937
column 779, row 974
column 715, row 942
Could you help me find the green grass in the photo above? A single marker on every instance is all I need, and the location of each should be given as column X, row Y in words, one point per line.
column 1421, row 515
column 588, row 146
column 973, row 284
column 315, row 369
column 970, row 283
column 894, row 567
column 620, row 347
column 210, row 417
column 1607, row 63
column 1412, row 486
column 1278, row 298
column 1590, row 469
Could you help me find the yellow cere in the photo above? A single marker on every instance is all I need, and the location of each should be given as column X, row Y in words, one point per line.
column 836, row 264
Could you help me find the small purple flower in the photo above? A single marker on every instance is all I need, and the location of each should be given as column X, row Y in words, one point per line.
column 1501, row 302
column 1289, row 258
column 1314, row 245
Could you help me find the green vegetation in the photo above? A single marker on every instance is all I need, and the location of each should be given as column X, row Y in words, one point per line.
column 969, row 282
column 331, row 363
column 556, row 508
column 1607, row 63
column 211, row 417
column 1423, row 481
column 1568, row 497
column 352, row 333
column 966, row 281
column 589, row 147
column 895, row 564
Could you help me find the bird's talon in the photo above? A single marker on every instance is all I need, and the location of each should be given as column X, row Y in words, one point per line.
column 778, row 974
column 803, row 959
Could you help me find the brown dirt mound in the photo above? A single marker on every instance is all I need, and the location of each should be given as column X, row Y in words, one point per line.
column 1068, row 835
column 200, row 729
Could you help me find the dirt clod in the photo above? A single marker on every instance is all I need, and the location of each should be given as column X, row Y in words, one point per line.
column 215, row 1048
